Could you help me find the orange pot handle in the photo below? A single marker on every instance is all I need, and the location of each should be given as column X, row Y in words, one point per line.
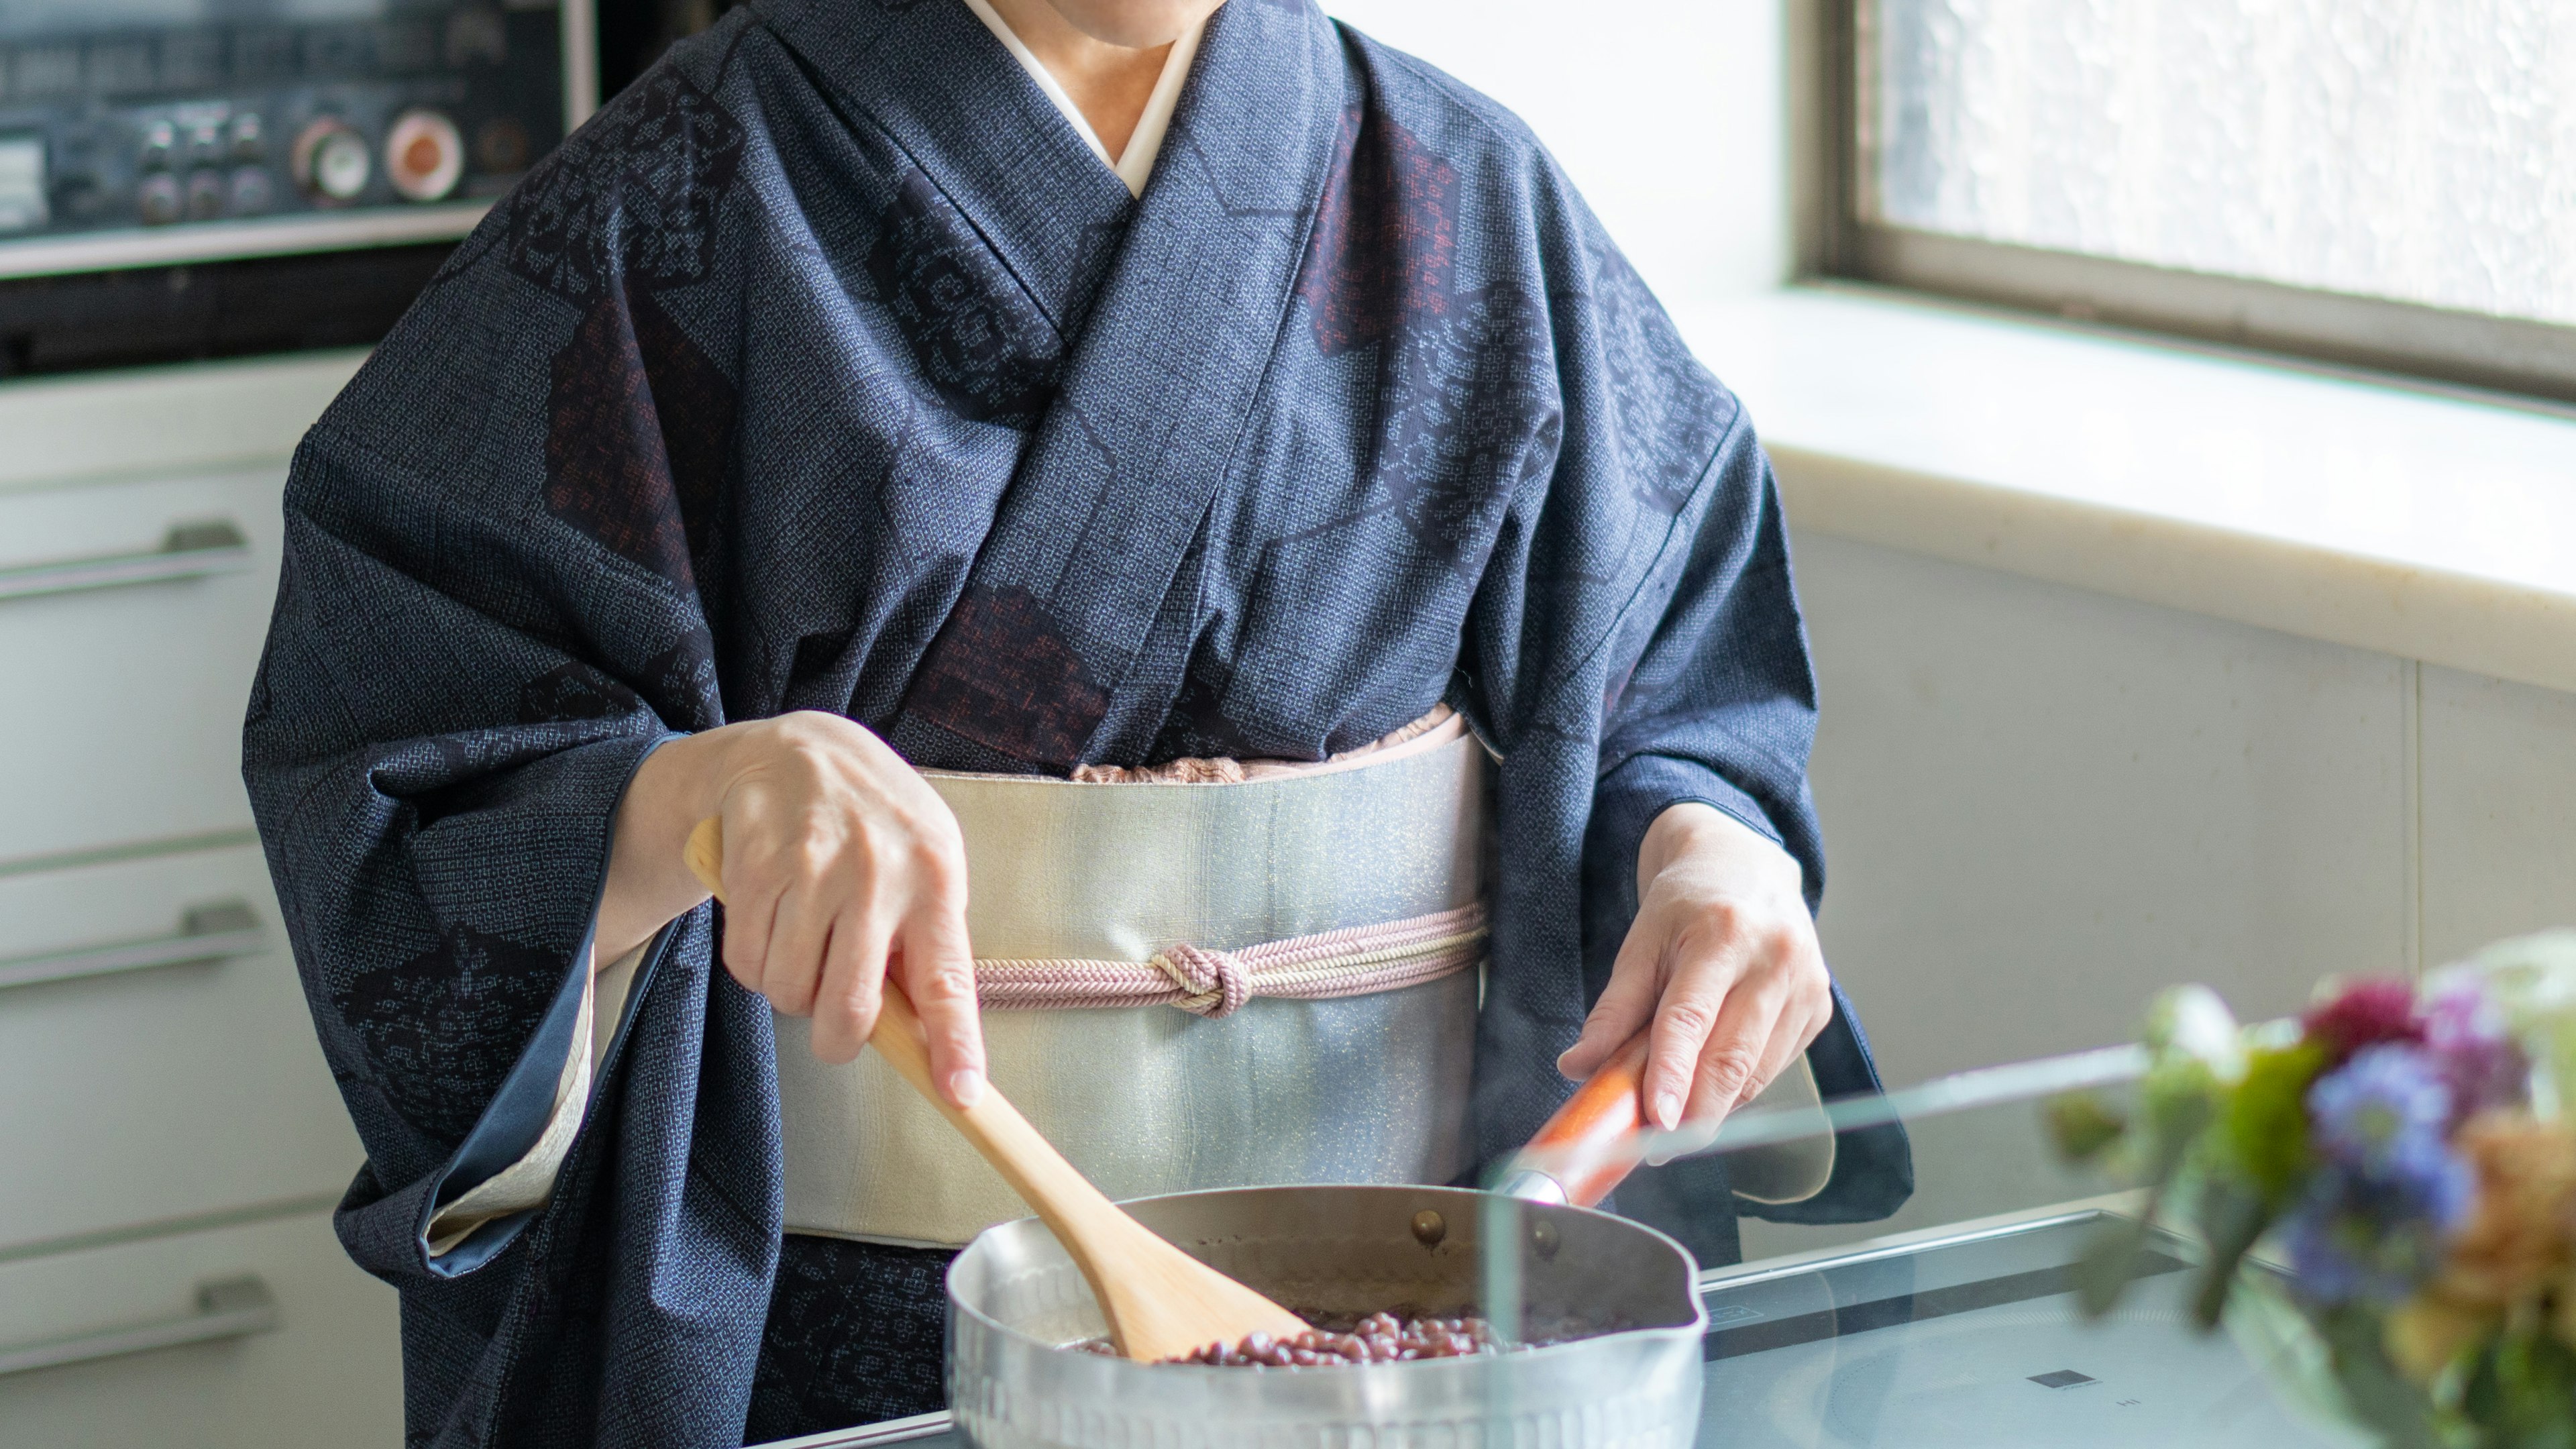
column 1591, row 1132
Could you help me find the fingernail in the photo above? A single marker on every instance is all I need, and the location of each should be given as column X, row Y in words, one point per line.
column 966, row 1086
column 1562, row 1058
column 1668, row 1111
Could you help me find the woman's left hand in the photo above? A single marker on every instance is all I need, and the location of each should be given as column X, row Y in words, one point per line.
column 1722, row 957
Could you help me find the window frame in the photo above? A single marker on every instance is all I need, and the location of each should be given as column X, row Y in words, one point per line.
column 2471, row 349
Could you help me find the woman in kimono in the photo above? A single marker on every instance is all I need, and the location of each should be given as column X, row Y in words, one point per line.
column 972, row 449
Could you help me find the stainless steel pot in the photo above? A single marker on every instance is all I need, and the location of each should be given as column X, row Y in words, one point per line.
column 1017, row 1304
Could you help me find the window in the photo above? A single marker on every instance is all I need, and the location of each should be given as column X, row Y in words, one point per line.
column 2383, row 182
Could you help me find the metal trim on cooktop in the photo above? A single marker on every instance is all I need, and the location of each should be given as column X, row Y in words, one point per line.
column 862, row 1436
column 1869, row 1250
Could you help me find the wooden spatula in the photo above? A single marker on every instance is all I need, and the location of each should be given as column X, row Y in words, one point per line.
column 1160, row 1302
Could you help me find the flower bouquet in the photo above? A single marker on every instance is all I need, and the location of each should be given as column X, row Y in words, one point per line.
column 2385, row 1188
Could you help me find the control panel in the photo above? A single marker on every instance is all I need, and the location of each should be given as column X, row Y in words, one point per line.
column 139, row 132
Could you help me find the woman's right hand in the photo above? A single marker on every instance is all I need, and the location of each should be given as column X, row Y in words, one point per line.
column 841, row 866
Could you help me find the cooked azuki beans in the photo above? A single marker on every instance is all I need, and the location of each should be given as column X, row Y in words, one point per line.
column 1340, row 1339
column 1378, row 1338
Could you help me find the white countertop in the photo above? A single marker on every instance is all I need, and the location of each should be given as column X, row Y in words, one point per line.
column 2418, row 525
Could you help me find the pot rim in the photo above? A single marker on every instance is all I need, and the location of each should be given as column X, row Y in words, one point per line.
column 1696, row 1327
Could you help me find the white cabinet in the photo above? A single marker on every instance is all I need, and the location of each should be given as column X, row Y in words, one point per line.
column 170, row 1137
column 293, row 1349
column 131, row 659
column 156, row 1059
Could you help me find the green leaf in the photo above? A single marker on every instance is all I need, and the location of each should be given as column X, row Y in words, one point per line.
column 2522, row 1393
column 2266, row 1119
column 2378, row 1393
column 2083, row 1125
column 2232, row 1216
column 2175, row 1115
column 2109, row 1261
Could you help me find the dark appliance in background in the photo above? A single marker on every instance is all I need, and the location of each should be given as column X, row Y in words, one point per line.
column 634, row 33
column 197, row 178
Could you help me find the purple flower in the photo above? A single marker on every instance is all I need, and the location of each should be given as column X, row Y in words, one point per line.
column 2355, row 1240
column 2382, row 1114
column 2465, row 1034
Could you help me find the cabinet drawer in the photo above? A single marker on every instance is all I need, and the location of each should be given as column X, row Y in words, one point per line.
column 324, row 1370
column 146, row 1073
column 131, row 618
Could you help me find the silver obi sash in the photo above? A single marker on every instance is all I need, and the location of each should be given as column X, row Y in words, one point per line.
column 1250, row 911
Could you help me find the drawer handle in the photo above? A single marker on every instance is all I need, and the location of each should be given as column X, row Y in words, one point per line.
column 215, row 932
column 188, row 551
column 229, row 1308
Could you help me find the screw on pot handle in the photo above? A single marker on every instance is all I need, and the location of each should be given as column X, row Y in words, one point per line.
column 1589, row 1143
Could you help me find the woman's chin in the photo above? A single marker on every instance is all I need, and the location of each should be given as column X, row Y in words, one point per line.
column 1134, row 24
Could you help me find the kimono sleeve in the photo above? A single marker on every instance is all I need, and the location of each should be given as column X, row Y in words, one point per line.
column 1716, row 704
column 1704, row 690
column 452, row 701
column 1712, row 698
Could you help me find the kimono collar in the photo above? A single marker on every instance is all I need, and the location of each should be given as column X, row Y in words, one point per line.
column 973, row 122
column 1144, row 428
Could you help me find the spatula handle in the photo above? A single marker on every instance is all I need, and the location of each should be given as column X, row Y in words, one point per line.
column 1026, row 1160
column 1591, row 1132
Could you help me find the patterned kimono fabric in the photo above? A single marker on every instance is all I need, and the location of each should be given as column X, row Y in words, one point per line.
column 827, row 369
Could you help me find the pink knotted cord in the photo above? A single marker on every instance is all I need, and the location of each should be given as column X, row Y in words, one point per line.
column 1354, row 961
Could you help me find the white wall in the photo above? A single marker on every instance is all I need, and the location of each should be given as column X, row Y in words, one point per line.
column 1668, row 114
column 2042, row 804
column 2497, row 815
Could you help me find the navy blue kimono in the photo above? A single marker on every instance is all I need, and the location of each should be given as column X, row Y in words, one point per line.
column 828, row 369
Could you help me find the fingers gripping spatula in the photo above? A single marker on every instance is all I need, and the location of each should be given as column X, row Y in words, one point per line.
column 1159, row 1302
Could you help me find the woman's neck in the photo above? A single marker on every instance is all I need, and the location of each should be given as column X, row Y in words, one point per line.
column 1109, row 83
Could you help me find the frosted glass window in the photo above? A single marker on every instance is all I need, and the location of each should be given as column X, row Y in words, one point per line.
column 2418, row 150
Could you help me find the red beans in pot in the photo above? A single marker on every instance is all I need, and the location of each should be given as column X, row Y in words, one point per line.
column 1378, row 1338
column 1342, row 1341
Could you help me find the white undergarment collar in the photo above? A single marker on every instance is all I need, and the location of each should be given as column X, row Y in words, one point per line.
column 1134, row 167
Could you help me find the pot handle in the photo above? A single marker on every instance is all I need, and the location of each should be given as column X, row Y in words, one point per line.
column 1589, row 1137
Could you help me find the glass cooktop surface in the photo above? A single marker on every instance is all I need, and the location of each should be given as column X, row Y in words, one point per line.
column 1965, row 1342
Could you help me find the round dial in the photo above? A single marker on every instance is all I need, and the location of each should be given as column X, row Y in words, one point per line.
column 424, row 155
column 205, row 194
column 159, row 200
column 252, row 191
column 331, row 161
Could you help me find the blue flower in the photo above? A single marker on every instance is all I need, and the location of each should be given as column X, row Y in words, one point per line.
column 2357, row 1240
column 2371, row 1226
column 2381, row 1114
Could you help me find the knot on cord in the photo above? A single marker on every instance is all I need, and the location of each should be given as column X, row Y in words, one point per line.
column 1217, row 981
